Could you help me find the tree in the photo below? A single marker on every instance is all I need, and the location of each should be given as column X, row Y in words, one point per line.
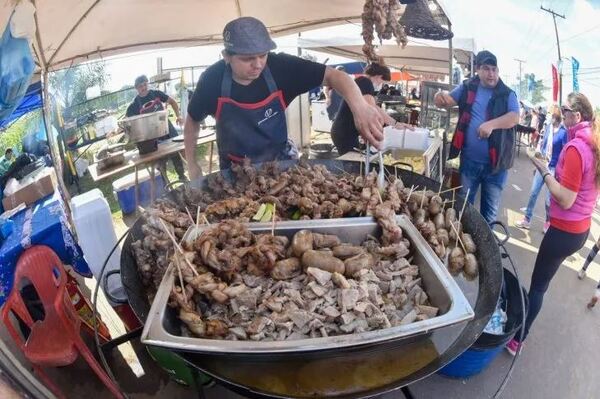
column 534, row 88
column 69, row 85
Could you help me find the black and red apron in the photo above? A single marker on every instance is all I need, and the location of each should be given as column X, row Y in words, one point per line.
column 251, row 130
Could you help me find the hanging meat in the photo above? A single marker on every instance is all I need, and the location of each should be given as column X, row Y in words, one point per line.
column 381, row 16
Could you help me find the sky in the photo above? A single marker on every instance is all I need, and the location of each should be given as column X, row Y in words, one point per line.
column 511, row 29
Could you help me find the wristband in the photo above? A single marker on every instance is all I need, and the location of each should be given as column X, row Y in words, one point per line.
column 545, row 175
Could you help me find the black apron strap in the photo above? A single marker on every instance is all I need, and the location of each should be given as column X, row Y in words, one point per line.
column 227, row 81
column 269, row 79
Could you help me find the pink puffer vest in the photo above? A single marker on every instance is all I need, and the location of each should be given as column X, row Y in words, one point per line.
column 580, row 138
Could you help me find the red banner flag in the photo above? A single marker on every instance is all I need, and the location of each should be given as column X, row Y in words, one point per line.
column 554, row 83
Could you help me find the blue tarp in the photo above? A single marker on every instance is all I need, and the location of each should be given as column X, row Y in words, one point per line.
column 30, row 102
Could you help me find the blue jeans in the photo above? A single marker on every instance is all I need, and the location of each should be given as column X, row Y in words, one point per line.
column 536, row 187
column 472, row 175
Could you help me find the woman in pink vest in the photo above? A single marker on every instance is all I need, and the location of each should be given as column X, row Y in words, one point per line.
column 574, row 190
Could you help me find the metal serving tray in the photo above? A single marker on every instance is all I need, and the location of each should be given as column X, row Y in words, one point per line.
column 162, row 327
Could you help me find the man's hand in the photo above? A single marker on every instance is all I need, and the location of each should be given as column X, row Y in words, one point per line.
column 194, row 170
column 486, row 129
column 179, row 120
column 443, row 99
column 369, row 123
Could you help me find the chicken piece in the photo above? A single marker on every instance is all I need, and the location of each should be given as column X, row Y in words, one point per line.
column 450, row 218
column 435, row 205
column 321, row 276
column 439, row 221
column 443, row 237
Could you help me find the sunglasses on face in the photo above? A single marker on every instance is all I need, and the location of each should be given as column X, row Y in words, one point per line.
column 564, row 109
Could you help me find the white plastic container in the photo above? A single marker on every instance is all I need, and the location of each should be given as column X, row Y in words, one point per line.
column 405, row 139
column 96, row 236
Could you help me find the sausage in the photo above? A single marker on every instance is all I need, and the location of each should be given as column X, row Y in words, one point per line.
column 452, row 231
column 419, row 217
column 435, row 205
column 471, row 269
column 439, row 221
column 443, row 236
column 427, row 229
column 285, row 269
column 356, row 263
column 450, row 217
column 468, row 243
column 412, row 206
column 419, row 196
column 456, row 260
column 323, row 261
column 302, row 242
column 325, row 240
column 345, row 251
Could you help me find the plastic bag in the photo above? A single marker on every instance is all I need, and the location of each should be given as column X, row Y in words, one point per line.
column 497, row 322
column 16, row 70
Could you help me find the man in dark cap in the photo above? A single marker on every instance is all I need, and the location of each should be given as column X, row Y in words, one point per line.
column 150, row 100
column 248, row 91
column 485, row 133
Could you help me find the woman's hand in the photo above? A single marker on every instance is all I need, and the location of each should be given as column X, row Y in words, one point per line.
column 540, row 164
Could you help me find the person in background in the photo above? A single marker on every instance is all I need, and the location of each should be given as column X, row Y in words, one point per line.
column 344, row 132
column 485, row 134
column 248, row 92
column 582, row 272
column 150, row 100
column 574, row 191
column 552, row 144
column 333, row 100
column 413, row 94
column 6, row 160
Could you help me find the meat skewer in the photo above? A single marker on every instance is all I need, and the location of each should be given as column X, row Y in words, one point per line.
column 178, row 247
column 450, row 189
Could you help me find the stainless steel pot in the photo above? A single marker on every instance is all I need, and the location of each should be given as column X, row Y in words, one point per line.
column 146, row 127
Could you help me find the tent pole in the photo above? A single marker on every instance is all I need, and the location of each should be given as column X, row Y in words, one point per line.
column 56, row 160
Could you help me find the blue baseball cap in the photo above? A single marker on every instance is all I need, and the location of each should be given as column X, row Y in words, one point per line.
column 247, row 35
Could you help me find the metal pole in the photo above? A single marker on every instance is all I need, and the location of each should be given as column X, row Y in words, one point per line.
column 554, row 15
column 56, row 160
column 520, row 77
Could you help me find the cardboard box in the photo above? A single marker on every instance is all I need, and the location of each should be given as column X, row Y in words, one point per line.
column 33, row 187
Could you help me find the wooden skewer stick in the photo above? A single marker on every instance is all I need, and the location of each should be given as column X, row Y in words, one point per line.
column 464, row 205
column 205, row 220
column 410, row 192
column 379, row 194
column 450, row 189
column 178, row 247
column 189, row 214
column 458, row 239
column 198, row 216
column 181, row 280
column 273, row 221
column 422, row 199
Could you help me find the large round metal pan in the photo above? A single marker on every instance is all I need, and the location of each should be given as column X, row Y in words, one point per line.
column 347, row 374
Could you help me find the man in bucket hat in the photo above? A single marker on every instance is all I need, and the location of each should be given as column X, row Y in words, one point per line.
column 247, row 93
column 485, row 133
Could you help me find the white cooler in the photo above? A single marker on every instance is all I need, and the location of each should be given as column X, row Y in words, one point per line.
column 96, row 236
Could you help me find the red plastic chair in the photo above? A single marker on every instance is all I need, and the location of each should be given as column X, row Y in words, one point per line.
column 55, row 340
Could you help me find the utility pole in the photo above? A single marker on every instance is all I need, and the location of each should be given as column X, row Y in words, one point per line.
column 554, row 15
column 520, row 77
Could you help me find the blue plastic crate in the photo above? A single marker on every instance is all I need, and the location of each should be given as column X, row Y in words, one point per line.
column 124, row 189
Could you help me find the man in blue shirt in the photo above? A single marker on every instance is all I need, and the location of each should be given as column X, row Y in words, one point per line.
column 485, row 135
